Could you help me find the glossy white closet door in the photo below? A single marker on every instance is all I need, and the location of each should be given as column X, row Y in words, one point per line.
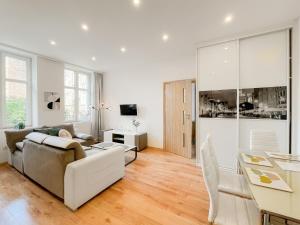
column 217, row 67
column 218, row 70
column 264, row 63
column 263, row 60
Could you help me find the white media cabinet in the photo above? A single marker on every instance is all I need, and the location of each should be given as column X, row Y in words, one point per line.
column 127, row 137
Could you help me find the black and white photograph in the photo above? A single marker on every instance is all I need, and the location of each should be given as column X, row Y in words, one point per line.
column 52, row 101
column 218, row 104
column 263, row 103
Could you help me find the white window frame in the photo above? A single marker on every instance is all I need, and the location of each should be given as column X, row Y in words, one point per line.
column 76, row 89
column 3, row 123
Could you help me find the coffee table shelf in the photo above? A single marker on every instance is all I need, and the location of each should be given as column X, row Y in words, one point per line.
column 105, row 146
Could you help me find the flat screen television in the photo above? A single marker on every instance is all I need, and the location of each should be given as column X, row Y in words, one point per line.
column 128, row 110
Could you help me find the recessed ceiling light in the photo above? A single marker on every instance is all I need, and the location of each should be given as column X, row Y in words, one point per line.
column 94, row 58
column 123, row 49
column 52, row 42
column 228, row 19
column 165, row 37
column 84, row 27
column 226, row 48
column 226, row 61
column 136, row 3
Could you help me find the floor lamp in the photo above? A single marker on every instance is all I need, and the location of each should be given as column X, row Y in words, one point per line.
column 99, row 110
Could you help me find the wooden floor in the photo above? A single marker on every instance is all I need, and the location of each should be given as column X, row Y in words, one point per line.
column 159, row 188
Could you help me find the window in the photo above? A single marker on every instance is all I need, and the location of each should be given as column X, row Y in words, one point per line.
column 16, row 85
column 77, row 95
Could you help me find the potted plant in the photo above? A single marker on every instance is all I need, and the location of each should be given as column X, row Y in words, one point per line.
column 20, row 125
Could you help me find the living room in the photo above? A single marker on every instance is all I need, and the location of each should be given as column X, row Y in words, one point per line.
column 149, row 112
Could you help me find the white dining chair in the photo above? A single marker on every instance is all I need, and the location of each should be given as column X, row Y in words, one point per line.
column 263, row 140
column 225, row 209
column 231, row 183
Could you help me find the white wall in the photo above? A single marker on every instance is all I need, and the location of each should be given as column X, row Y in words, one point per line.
column 143, row 85
column 50, row 78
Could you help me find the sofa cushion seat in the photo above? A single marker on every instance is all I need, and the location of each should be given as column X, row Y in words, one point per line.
column 84, row 136
column 20, row 145
column 84, row 142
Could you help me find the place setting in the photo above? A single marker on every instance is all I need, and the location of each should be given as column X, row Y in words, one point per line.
column 266, row 178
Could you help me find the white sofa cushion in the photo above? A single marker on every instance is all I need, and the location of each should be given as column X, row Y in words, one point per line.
column 60, row 142
column 37, row 137
column 65, row 143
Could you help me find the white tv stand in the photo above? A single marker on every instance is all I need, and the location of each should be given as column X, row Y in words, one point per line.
column 127, row 137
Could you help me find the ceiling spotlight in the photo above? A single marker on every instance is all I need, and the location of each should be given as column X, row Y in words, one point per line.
column 52, row 43
column 123, row 49
column 228, row 19
column 84, row 27
column 94, row 58
column 226, row 48
column 165, row 37
column 136, row 2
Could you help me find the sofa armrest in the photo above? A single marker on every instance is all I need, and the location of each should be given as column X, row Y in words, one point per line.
column 87, row 177
column 14, row 136
column 84, row 136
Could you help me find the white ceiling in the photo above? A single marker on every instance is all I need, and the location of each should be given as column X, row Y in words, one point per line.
column 31, row 24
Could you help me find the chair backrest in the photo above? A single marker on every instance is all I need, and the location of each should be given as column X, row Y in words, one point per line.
column 263, row 140
column 210, row 179
column 213, row 156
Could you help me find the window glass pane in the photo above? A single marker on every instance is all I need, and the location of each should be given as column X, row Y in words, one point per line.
column 83, row 81
column 83, row 111
column 83, row 98
column 15, row 103
column 15, row 68
column 69, row 104
column 69, row 78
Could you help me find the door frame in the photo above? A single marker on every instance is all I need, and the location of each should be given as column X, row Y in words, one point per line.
column 164, row 107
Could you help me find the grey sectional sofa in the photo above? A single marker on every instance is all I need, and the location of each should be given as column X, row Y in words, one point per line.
column 15, row 138
column 62, row 166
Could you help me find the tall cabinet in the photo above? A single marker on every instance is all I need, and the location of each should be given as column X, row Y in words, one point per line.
column 243, row 64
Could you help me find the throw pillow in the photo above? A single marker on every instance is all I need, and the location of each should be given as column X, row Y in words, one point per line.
column 53, row 131
column 64, row 134
column 44, row 130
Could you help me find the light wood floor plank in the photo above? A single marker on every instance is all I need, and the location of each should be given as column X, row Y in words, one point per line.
column 159, row 188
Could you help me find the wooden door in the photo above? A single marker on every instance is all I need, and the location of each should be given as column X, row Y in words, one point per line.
column 178, row 117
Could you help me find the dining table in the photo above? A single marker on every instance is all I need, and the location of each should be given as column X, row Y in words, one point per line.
column 276, row 206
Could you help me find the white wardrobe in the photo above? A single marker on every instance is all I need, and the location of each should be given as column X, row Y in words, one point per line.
column 250, row 62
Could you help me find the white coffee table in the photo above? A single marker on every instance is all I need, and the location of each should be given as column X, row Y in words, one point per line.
column 109, row 145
